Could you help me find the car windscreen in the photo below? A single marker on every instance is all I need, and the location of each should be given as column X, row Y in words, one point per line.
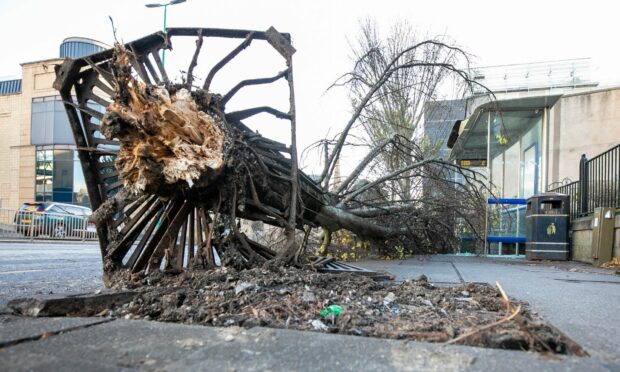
column 58, row 208
column 32, row 207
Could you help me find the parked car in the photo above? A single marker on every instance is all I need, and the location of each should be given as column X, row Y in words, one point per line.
column 57, row 220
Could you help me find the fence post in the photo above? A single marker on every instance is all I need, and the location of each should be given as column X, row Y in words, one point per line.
column 84, row 227
column 584, row 179
column 32, row 217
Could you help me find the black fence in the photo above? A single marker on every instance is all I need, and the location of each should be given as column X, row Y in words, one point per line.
column 571, row 189
column 598, row 184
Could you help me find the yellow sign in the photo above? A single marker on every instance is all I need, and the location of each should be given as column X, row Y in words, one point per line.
column 473, row 162
column 551, row 229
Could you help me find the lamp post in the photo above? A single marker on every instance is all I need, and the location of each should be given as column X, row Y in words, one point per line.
column 165, row 5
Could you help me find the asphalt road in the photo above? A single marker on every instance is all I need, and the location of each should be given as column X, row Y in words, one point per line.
column 47, row 268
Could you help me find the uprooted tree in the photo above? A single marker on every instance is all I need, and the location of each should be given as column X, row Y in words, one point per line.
column 408, row 80
column 170, row 171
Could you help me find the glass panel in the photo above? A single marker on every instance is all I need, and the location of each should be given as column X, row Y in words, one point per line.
column 514, row 163
column 37, row 131
column 43, row 174
column 531, row 158
column 62, row 128
column 74, row 210
column 42, row 123
column 59, row 178
column 507, row 220
column 37, row 106
column 511, row 171
column 497, row 175
column 529, row 172
column 55, row 209
column 512, row 132
column 63, row 176
column 49, row 122
column 80, row 194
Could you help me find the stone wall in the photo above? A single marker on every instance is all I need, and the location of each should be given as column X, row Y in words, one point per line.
column 581, row 123
column 581, row 239
column 10, row 123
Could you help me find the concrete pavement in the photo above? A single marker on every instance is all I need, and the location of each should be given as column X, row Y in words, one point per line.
column 116, row 345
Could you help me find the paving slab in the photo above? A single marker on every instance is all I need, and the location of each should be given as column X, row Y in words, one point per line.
column 144, row 345
column 437, row 272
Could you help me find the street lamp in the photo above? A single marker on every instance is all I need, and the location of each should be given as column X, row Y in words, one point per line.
column 165, row 5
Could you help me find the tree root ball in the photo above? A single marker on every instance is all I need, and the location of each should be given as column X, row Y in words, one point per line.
column 165, row 139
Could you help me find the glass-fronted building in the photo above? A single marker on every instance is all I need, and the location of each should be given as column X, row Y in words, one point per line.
column 59, row 175
column 508, row 138
column 38, row 156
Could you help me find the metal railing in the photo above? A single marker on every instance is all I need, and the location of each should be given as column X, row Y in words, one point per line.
column 571, row 189
column 537, row 75
column 598, row 184
column 30, row 225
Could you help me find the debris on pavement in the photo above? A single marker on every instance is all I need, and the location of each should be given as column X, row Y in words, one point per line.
column 389, row 298
column 334, row 310
column 318, row 325
column 285, row 297
column 613, row 264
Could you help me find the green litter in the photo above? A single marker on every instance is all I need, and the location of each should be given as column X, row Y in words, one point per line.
column 332, row 309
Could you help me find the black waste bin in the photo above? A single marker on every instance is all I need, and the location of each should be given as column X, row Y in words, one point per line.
column 546, row 227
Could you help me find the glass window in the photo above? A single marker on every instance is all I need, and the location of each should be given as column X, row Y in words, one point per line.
column 530, row 160
column 515, row 159
column 59, row 177
column 42, row 124
column 75, row 211
column 63, row 176
column 62, row 128
column 49, row 122
column 511, row 171
column 497, row 175
column 56, row 209
column 43, row 175
column 529, row 171
column 512, row 134
column 80, row 194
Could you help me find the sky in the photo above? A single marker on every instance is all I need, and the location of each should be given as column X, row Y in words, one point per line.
column 495, row 32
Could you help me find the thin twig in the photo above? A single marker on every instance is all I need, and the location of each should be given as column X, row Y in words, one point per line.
column 486, row 327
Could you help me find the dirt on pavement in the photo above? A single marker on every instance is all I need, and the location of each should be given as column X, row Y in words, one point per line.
column 292, row 298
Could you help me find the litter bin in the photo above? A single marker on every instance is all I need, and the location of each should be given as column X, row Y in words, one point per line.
column 546, row 227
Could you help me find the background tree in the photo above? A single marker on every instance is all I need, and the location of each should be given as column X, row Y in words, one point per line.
column 398, row 106
column 392, row 80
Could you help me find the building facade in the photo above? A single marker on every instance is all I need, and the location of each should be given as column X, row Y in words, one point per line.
column 38, row 161
column 530, row 134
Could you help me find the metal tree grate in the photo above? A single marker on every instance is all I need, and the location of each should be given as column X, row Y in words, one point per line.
column 149, row 232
